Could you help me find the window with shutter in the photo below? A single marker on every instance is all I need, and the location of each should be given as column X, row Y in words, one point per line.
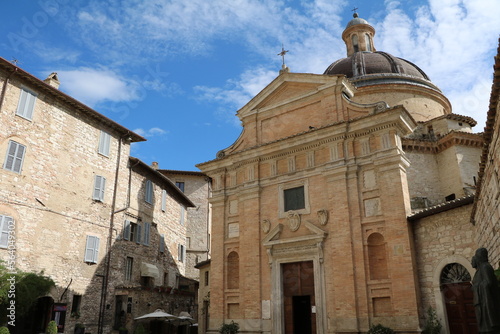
column 162, row 243
column 147, row 229
column 181, row 220
column 26, row 104
column 5, row 221
column 164, row 200
column 129, row 263
column 91, row 249
column 104, row 143
column 126, row 230
column 15, row 157
column 181, row 253
column 148, row 195
column 180, row 185
column 99, row 185
column 138, row 235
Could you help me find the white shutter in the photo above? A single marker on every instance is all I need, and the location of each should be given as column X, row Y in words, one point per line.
column 4, row 230
column 26, row 104
column 99, row 185
column 164, row 200
column 15, row 156
column 91, row 249
column 104, row 143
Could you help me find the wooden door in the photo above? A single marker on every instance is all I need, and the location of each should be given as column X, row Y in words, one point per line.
column 298, row 297
column 458, row 299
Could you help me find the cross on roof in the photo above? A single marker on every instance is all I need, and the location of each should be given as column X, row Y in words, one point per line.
column 283, row 53
column 354, row 9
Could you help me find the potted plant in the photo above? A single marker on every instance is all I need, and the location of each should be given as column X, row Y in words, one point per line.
column 4, row 330
column 231, row 328
column 51, row 328
column 432, row 324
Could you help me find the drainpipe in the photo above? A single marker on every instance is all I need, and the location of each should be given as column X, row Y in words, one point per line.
column 4, row 88
column 105, row 279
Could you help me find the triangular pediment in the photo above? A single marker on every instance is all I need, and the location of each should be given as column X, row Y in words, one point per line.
column 274, row 237
column 287, row 87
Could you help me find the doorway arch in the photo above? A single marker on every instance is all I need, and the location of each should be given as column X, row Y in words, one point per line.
column 453, row 293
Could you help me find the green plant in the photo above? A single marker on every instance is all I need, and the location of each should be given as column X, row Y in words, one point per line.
column 51, row 328
column 231, row 328
column 432, row 324
column 140, row 329
column 379, row 329
column 4, row 330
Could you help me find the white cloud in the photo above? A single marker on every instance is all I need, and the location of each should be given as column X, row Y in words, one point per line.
column 152, row 132
column 92, row 86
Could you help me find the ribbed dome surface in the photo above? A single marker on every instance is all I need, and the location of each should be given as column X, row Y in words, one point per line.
column 364, row 68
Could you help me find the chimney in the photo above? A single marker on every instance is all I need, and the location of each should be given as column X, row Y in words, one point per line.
column 52, row 80
column 154, row 165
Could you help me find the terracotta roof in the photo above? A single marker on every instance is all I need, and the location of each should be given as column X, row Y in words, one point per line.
column 174, row 190
column 441, row 207
column 18, row 73
column 181, row 172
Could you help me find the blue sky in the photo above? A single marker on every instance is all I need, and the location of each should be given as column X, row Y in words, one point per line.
column 177, row 71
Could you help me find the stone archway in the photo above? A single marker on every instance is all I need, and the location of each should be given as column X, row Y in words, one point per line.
column 452, row 295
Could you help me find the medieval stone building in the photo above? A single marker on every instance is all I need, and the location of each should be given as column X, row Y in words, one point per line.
column 345, row 201
column 107, row 228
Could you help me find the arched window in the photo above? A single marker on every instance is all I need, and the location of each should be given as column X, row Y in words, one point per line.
column 368, row 42
column 454, row 273
column 355, row 44
column 233, row 270
column 377, row 256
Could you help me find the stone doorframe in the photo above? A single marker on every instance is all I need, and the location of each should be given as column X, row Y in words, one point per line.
column 297, row 249
column 436, row 283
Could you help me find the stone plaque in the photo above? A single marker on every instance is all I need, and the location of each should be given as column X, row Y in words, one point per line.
column 369, row 180
column 233, row 207
column 372, row 207
column 233, row 230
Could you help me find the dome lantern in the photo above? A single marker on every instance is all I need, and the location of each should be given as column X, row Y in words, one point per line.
column 358, row 36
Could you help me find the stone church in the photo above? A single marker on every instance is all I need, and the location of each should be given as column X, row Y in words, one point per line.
column 345, row 202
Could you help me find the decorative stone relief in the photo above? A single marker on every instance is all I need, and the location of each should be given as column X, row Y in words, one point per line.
column 323, row 216
column 293, row 221
column 266, row 225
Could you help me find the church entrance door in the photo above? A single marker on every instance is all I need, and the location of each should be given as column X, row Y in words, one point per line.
column 299, row 298
column 458, row 299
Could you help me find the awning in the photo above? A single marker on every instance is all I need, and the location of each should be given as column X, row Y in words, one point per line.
column 149, row 270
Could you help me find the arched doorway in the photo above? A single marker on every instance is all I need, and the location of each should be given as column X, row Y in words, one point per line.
column 455, row 283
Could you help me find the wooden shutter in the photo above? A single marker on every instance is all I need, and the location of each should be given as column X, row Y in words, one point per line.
column 181, row 221
column 4, row 230
column 104, row 142
column 99, row 185
column 26, row 104
column 138, row 235
column 15, row 156
column 147, row 229
column 162, row 243
column 126, row 230
column 164, row 200
column 148, row 196
column 92, row 249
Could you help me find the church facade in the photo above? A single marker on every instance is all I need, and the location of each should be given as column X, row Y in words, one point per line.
column 311, row 204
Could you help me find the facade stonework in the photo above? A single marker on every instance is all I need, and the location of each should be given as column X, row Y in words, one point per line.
column 311, row 203
column 82, row 211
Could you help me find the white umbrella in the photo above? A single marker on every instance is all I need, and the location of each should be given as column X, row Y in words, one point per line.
column 157, row 314
column 183, row 320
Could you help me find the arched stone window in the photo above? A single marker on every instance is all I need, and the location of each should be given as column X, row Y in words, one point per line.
column 368, row 42
column 233, row 270
column 355, row 43
column 377, row 256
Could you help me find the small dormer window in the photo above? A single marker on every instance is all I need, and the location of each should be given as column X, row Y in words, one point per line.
column 368, row 42
column 355, row 44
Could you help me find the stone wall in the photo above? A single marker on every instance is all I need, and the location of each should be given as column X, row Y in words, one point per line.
column 441, row 239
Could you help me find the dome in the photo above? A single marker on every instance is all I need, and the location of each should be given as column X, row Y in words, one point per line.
column 366, row 68
column 356, row 20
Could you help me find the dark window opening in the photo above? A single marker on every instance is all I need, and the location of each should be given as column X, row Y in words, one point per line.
column 450, row 197
column 180, row 185
column 294, row 198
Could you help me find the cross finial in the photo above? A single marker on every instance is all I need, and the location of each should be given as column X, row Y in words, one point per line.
column 15, row 61
column 282, row 54
column 355, row 14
